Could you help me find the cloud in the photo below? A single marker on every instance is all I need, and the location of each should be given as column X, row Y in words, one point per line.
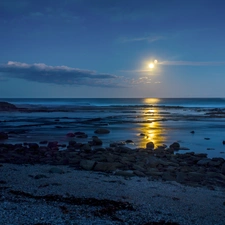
column 148, row 39
column 190, row 63
column 61, row 75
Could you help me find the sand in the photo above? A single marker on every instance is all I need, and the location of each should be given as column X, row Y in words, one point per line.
column 151, row 200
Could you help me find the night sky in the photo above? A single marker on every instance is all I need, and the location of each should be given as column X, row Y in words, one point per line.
column 105, row 48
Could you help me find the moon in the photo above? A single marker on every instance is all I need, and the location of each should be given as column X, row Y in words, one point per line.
column 151, row 65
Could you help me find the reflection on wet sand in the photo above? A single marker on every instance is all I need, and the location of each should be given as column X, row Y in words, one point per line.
column 152, row 131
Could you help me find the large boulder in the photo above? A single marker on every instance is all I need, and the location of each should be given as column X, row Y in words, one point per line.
column 3, row 136
column 150, row 145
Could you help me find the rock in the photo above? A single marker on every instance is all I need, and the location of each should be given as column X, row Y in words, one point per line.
column 86, row 148
column 196, row 177
column 192, row 132
column 80, row 135
column 52, row 144
column 207, row 138
column 223, row 142
column 102, row 131
column 139, row 173
column 87, row 164
column 152, row 161
column 210, row 149
column 33, row 145
column 70, row 135
column 96, row 140
column 150, row 145
column 223, row 169
column 3, row 136
column 203, row 162
column 175, row 146
column 5, row 106
column 142, row 134
column 56, row 170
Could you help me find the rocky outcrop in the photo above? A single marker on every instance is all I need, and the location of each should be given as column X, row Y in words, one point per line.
column 5, row 106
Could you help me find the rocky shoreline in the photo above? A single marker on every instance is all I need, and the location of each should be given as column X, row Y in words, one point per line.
column 159, row 163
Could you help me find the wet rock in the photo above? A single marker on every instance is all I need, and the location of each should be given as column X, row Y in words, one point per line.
column 192, row 132
column 207, row 138
column 210, row 149
column 203, row 162
column 33, row 145
column 150, row 145
column 86, row 148
column 223, row 142
column 181, row 177
column 102, row 131
column 3, row 136
column 175, row 146
column 152, row 161
column 143, row 135
column 80, row 135
column 96, row 140
column 87, row 164
column 70, row 135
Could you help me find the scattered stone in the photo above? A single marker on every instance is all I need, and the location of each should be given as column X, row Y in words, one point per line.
column 207, row 138
column 142, row 134
column 102, row 131
column 210, row 149
column 184, row 148
column 52, row 144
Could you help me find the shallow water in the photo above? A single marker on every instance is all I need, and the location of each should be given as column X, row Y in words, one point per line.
column 163, row 121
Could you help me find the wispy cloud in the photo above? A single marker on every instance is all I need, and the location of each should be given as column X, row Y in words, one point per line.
column 138, row 39
column 61, row 75
column 191, row 63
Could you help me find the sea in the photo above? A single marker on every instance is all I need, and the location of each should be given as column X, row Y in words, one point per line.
column 198, row 124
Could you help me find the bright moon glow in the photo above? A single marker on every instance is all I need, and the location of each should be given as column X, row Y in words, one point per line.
column 151, row 65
